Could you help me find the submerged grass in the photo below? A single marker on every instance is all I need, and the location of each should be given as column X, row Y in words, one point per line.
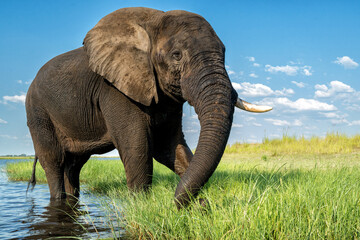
column 252, row 195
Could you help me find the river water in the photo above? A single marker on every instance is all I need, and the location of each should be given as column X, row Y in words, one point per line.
column 33, row 216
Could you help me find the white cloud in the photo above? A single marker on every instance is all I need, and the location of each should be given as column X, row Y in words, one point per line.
column 301, row 104
column 297, row 123
column 288, row 70
column 321, row 87
column 299, row 84
column 259, row 90
column 249, row 89
column 336, row 118
column 256, row 65
column 339, row 121
column 235, row 125
column 251, row 59
column 24, row 82
column 257, row 124
column 3, row 121
column 248, row 118
column 307, row 70
column 191, row 131
column 278, row 122
column 346, row 62
column 284, row 92
column 9, row 137
column 231, row 72
column 253, row 75
column 331, row 115
column 355, row 123
column 15, row 99
column 335, row 87
column 353, row 107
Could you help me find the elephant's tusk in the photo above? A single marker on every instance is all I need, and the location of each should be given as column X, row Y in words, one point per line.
column 251, row 107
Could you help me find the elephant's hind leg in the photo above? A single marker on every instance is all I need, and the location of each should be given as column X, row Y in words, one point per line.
column 51, row 160
column 54, row 170
column 72, row 168
column 49, row 151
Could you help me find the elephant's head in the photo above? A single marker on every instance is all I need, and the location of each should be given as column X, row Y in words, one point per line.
column 144, row 51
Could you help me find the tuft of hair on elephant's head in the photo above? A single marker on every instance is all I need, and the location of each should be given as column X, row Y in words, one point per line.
column 136, row 69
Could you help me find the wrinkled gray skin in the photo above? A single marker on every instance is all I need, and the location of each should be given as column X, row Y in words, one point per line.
column 125, row 89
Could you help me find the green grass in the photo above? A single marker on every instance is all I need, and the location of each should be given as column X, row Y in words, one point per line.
column 252, row 195
column 331, row 143
column 276, row 199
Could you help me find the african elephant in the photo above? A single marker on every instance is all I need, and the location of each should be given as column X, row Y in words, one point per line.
column 125, row 89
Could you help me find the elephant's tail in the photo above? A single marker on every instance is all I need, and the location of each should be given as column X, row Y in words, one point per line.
column 32, row 180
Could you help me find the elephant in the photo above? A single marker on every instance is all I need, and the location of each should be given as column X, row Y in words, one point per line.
column 124, row 89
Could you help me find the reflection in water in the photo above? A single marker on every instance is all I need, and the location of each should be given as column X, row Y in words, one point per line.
column 59, row 219
column 35, row 217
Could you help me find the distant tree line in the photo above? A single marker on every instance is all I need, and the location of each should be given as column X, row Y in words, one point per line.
column 19, row 155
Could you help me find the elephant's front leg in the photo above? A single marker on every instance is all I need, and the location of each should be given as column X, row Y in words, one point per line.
column 138, row 164
column 134, row 146
column 128, row 127
column 134, row 149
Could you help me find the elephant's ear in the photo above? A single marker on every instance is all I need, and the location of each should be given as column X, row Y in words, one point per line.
column 119, row 50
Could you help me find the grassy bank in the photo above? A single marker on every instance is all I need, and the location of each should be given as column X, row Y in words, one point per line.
column 331, row 143
column 252, row 195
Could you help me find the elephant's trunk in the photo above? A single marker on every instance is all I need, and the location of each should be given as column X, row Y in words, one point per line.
column 214, row 102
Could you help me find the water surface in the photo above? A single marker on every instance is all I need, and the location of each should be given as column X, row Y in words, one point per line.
column 33, row 216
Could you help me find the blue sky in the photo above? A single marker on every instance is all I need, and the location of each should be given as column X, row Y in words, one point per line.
column 301, row 57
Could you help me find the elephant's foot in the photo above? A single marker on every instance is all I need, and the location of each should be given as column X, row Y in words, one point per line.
column 204, row 203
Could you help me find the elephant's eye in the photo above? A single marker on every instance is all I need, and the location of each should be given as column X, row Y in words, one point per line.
column 176, row 55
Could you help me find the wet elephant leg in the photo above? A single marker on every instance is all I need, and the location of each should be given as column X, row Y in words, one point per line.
column 72, row 168
column 54, row 170
column 49, row 152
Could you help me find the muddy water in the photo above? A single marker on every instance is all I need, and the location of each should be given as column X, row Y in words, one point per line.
column 32, row 216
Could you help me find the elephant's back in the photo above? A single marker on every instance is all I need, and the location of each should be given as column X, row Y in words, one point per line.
column 64, row 79
column 62, row 67
column 67, row 90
